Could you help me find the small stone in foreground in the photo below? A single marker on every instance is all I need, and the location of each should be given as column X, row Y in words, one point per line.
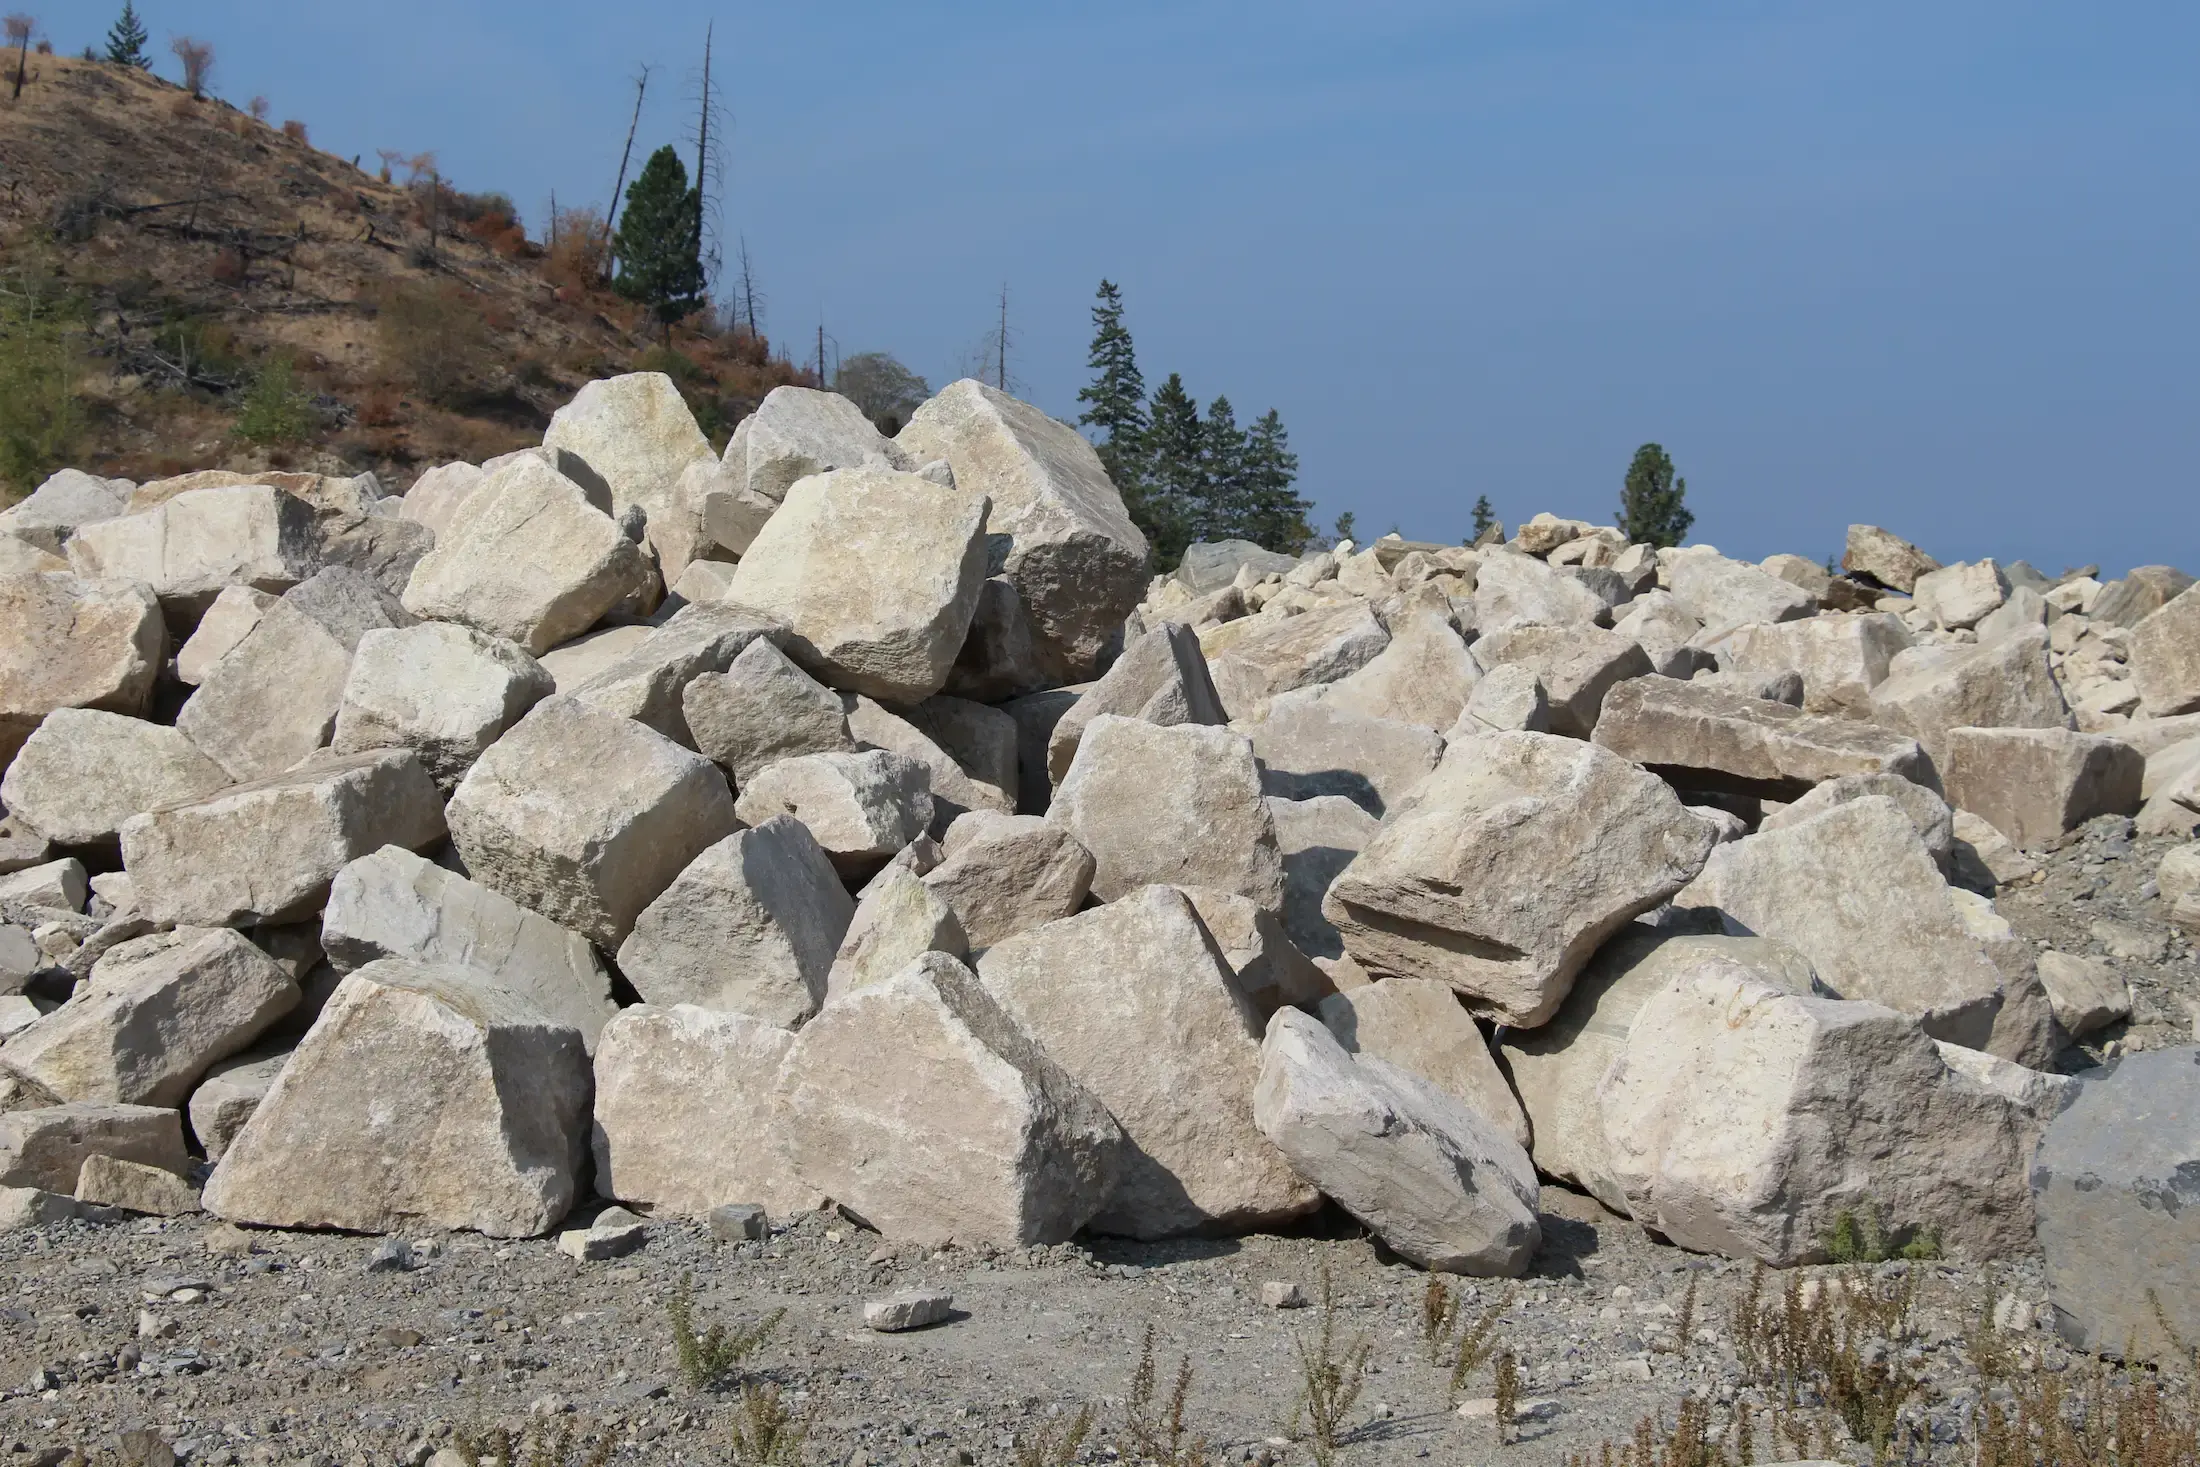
column 29, row 1207
column 739, row 1222
column 1276, row 1294
column 596, row 1242
column 907, row 1310
column 133, row 1186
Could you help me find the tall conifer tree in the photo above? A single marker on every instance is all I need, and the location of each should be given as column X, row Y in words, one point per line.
column 1176, row 470
column 1653, row 507
column 126, row 40
column 656, row 243
column 1273, row 516
column 1117, row 397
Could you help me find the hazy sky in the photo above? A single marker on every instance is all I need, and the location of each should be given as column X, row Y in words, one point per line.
column 1927, row 265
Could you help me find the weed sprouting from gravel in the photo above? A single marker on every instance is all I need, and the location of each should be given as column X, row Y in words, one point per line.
column 1860, row 1238
column 1475, row 1344
column 1329, row 1381
column 1055, row 1443
column 712, row 1361
column 1439, row 1308
column 498, row 1447
column 765, row 1432
column 1508, row 1395
column 1153, row 1430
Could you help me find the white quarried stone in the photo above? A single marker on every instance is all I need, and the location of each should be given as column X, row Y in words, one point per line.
column 861, row 808
column 1706, row 737
column 635, row 432
column 898, row 919
column 232, row 616
column 2165, row 656
column 1958, row 596
column 1317, row 839
column 70, row 498
column 876, row 572
column 190, row 547
column 585, row 816
column 66, row 642
column 2005, row 684
column 1438, row 1182
column 134, row 1187
column 423, row 1095
column 266, row 851
column 1508, row 699
column 1514, row 590
column 1417, row 1025
column 1161, row 678
column 572, row 663
column 1506, row 869
column 1252, row 660
column 648, row 683
column 394, row 904
column 1072, row 551
column 58, row 885
column 46, row 1147
column 684, row 1112
column 2035, row 785
column 927, row 1110
column 1720, row 592
column 1179, row 805
column 83, row 773
column 445, row 691
column 231, row 1091
column 1742, row 1121
column 1841, row 656
column 762, row 709
column 749, row 927
column 436, row 495
column 156, row 1013
column 1136, row 1001
column 1005, row 874
column 956, row 787
column 1308, row 746
column 2086, row 993
column 1423, row 677
column 1577, row 665
column 1929, row 814
column 799, row 431
column 1888, row 559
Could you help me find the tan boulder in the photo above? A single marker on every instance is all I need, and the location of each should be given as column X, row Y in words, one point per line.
column 1576, row 665
column 982, row 776
column 649, row 683
column 1424, row 676
column 2005, row 684
column 1161, row 679
column 1317, row 839
column 83, row 773
column 46, row 1146
column 2037, row 784
column 1270, row 971
column 1841, row 657
column 190, row 547
column 67, row 642
column 861, row 808
column 2165, row 656
column 1308, row 746
column 1417, row 1025
column 1888, row 559
column 1276, row 654
column 762, row 709
column 1703, row 737
column 445, row 691
column 1962, row 595
column 898, row 919
column 233, row 614
column 635, row 432
column 231, row 1091
column 1005, row 874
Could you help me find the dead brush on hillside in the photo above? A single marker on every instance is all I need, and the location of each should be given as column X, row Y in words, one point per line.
column 1153, row 1430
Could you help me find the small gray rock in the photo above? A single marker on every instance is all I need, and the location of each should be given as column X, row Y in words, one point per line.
column 907, row 1310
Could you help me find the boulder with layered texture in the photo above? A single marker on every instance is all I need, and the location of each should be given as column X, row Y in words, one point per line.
column 799, row 431
column 762, row 709
column 1161, row 678
column 1317, row 839
column 67, row 642
column 926, row 1109
column 648, row 684
column 2005, row 684
column 1721, row 592
column 1855, row 890
column 1180, row 805
column 83, row 773
column 683, row 1112
column 1433, row 1178
column 1512, row 590
column 447, row 692
column 1275, row 654
column 861, row 808
column 876, row 572
column 53, row 512
column 2165, row 656
column 1841, row 656
column 394, row 904
column 585, row 816
column 45, row 1147
column 749, row 927
column 1071, row 550
column 1308, row 746
column 1417, row 1025
column 190, row 547
column 274, row 697
column 424, row 1095
column 1423, row 677
column 529, row 558
column 1742, row 1120
column 635, row 433
column 1886, row 558
column 1506, row 869
column 1576, row 665
column 1704, row 737
column 978, row 774
column 231, row 617
column 267, row 850
column 1136, row 1001
column 898, row 919
column 1005, row 874
column 156, row 1013
column 2037, row 784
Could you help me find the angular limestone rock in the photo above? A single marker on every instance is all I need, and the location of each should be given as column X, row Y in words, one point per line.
column 1417, row 1025
column 648, row 683
column 83, row 773
column 2005, row 684
column 1742, row 1121
column 585, row 816
column 635, row 433
column 47, row 1147
column 861, row 808
column 1136, row 1001
column 1269, row 970
column 1840, row 656
column 1001, row 656
column 72, row 643
column 235, row 612
column 1888, row 559
column 2165, row 656
column 266, row 851
column 1180, row 805
column 2037, row 784
column 394, row 904
column 799, row 431
column 1665, row 631
column 924, row 1108
column 274, row 697
column 231, row 1092
column 1856, row 892
column 1317, row 839
column 446, row 692
column 762, row 709
column 750, row 927
column 2086, row 994
column 2113, row 1187
column 572, row 663
column 436, row 495
column 1276, row 654
column 1958, row 596
column 156, row 1013
column 1512, row 590
column 423, row 1095
column 50, row 514
column 684, row 1112
column 1577, row 665
column 58, row 886
column 1504, row 870
column 898, row 920
column 528, row 558
column 1721, row 592
column 1929, row 813
column 1437, row 1181
column 1072, row 551
column 1508, row 699
column 1161, row 678
column 192, row 546
column 134, row 1187
column 1423, row 677
column 876, row 572
column 1005, row 874
column 1707, row 738
column 956, row 787
column 1308, row 746
column 1556, row 1068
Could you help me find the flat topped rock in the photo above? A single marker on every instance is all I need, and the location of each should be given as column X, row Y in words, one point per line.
column 907, row 1310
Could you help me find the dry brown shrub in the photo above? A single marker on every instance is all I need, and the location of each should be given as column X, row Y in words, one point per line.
column 230, row 266
column 198, row 62
column 434, row 339
column 259, row 109
column 575, row 257
column 295, row 130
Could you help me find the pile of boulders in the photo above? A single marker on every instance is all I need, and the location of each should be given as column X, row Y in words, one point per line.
column 851, row 819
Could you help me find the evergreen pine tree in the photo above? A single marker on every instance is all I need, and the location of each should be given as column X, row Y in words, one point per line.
column 1347, row 523
column 656, row 243
column 1176, row 471
column 1117, row 398
column 126, row 40
column 1485, row 519
column 1223, row 496
column 1274, row 516
column 1652, row 504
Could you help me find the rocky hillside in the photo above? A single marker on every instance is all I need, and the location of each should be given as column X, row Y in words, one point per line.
column 621, row 839
column 192, row 246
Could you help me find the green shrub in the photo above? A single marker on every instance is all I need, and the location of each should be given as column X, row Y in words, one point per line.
column 274, row 409
column 42, row 420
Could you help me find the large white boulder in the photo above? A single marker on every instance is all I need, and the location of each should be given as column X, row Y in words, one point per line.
column 861, row 808
column 1423, row 676
column 1963, row 595
column 2165, row 656
column 980, row 774
column 231, row 617
column 585, row 816
column 1515, row 590
column 2037, row 784
column 876, row 572
column 1418, row 1025
column 2005, row 684
column 898, row 919
column 1317, row 839
column 1254, row 659
column 760, row 710
column 1161, row 678
column 1576, row 665
column 1308, row 746
column 83, row 773
column 190, row 547
column 1886, row 558
column 648, row 684
column 445, row 691
column 1437, row 1181
column 799, row 431
column 1504, row 870
column 66, row 642
column 53, row 512
column 423, row 1096
column 45, row 1147
column 1721, row 593
column 1005, row 874
column 635, row 433
column 1841, row 656
column 1700, row 736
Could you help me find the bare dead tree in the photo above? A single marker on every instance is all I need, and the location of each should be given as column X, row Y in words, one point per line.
column 611, row 214
column 747, row 304
column 19, row 27
column 198, row 62
column 1000, row 345
column 709, row 165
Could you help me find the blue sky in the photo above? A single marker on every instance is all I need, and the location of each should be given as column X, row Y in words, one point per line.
column 1927, row 265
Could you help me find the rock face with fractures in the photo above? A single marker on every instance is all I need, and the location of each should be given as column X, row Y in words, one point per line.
column 67, row 642
column 1438, row 1182
column 648, row 684
column 760, row 710
column 970, row 1131
column 1503, row 871
column 861, row 808
column 1161, row 679
column 2035, row 785
column 423, row 1096
column 1707, row 738
column 1005, row 874
column 189, row 548
column 83, row 773
column 1417, row 1025
column 446, row 692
